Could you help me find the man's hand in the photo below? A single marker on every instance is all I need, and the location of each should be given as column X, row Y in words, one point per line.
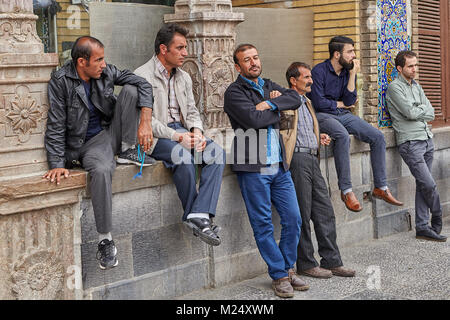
column 145, row 132
column 55, row 174
column 324, row 139
column 341, row 105
column 273, row 94
column 356, row 66
column 262, row 106
column 201, row 144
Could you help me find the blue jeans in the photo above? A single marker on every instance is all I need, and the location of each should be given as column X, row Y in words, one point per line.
column 338, row 127
column 184, row 173
column 259, row 192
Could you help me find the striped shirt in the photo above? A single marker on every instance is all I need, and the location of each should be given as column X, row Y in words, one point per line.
column 305, row 128
column 173, row 112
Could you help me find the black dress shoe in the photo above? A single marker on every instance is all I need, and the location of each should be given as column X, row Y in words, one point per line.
column 430, row 234
column 205, row 230
column 436, row 224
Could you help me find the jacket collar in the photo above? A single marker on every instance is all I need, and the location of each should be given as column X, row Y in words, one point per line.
column 402, row 79
column 71, row 71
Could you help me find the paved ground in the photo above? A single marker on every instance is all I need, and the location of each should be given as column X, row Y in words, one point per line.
column 395, row 267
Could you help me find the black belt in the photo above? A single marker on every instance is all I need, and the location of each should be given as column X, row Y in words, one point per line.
column 306, row 150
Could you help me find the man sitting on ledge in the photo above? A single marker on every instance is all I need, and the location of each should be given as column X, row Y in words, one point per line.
column 86, row 124
column 333, row 95
column 179, row 140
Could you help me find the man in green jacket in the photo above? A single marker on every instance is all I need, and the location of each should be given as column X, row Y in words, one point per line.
column 410, row 111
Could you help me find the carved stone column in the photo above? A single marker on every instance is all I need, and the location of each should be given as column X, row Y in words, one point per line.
column 24, row 72
column 40, row 255
column 211, row 41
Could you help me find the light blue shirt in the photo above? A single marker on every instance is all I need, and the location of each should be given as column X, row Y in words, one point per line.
column 273, row 142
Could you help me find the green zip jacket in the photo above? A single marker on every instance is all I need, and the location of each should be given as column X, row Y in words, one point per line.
column 410, row 110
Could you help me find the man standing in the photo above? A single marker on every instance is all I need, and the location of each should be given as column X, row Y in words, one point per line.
column 333, row 95
column 86, row 124
column 312, row 194
column 178, row 130
column 253, row 106
column 410, row 111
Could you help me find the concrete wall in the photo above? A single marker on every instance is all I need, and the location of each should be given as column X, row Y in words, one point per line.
column 127, row 30
column 159, row 258
column 287, row 38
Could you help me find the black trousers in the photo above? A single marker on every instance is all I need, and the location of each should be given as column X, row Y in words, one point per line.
column 315, row 205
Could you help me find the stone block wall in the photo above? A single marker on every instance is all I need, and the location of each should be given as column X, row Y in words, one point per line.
column 159, row 258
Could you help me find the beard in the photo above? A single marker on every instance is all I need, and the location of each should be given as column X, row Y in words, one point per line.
column 251, row 75
column 346, row 65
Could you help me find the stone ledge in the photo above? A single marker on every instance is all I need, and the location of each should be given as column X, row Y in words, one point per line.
column 21, row 194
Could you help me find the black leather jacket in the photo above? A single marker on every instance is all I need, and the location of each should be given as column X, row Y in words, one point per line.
column 68, row 114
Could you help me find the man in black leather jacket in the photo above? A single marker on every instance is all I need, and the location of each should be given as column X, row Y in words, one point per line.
column 87, row 125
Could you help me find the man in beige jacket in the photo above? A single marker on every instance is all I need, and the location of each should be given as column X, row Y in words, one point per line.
column 178, row 133
column 302, row 150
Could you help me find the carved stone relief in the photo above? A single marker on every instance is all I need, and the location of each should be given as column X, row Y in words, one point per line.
column 191, row 67
column 38, row 274
column 23, row 113
column 16, row 6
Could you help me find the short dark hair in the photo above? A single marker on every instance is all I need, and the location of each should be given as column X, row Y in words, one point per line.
column 400, row 59
column 240, row 48
column 84, row 49
column 292, row 71
column 337, row 44
column 166, row 33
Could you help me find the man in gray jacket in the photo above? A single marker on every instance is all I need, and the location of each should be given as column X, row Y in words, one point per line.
column 410, row 111
column 178, row 131
column 87, row 125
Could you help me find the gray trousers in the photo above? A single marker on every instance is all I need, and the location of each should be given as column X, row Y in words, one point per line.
column 97, row 155
column 315, row 205
column 418, row 155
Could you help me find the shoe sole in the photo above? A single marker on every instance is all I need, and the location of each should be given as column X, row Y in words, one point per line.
column 301, row 288
column 317, row 277
column 125, row 161
column 105, row 268
column 201, row 235
column 282, row 294
column 430, row 239
column 381, row 198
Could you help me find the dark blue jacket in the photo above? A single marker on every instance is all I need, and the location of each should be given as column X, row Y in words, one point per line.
column 239, row 104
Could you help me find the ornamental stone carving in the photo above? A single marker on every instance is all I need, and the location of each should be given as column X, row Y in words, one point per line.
column 38, row 275
column 192, row 68
column 211, row 38
column 16, row 6
column 24, row 113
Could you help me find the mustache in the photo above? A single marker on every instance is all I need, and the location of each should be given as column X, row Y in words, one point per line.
column 309, row 84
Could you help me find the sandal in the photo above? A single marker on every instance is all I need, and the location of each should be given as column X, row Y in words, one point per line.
column 204, row 229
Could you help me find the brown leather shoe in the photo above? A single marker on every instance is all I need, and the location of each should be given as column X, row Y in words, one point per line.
column 283, row 288
column 343, row 272
column 317, row 272
column 296, row 282
column 351, row 202
column 386, row 195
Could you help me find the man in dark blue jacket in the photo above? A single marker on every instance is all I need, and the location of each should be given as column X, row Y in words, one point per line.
column 253, row 105
column 333, row 95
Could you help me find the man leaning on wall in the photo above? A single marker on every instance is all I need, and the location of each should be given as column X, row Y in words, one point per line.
column 88, row 125
column 253, row 106
column 333, row 95
column 302, row 151
column 178, row 132
column 410, row 111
